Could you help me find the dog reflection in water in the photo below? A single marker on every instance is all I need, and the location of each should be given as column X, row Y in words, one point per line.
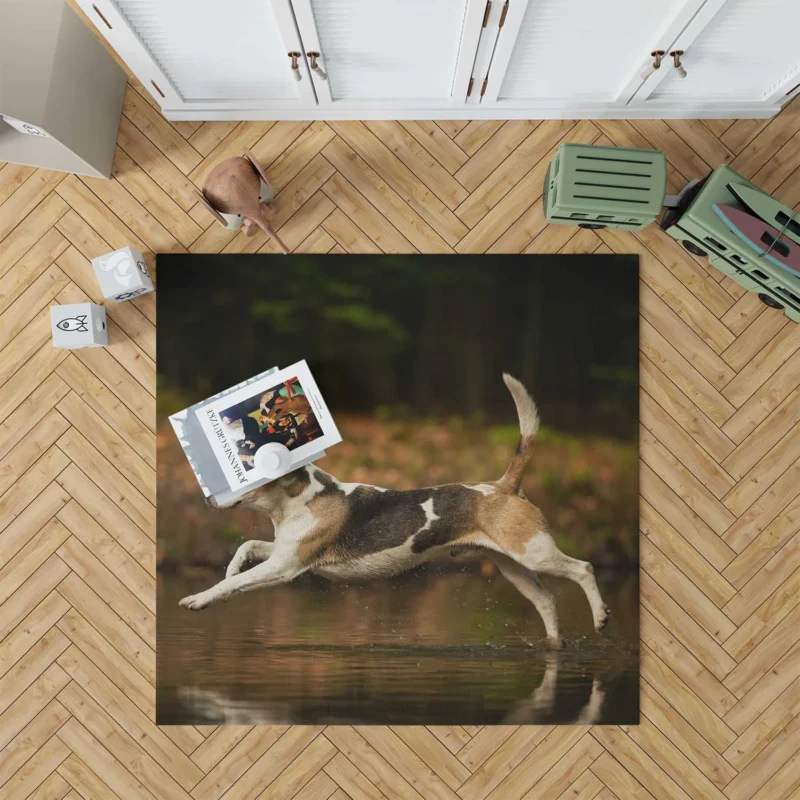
column 215, row 708
column 534, row 710
column 353, row 531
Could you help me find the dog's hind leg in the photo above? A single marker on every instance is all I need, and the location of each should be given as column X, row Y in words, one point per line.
column 254, row 550
column 542, row 555
column 528, row 584
column 270, row 573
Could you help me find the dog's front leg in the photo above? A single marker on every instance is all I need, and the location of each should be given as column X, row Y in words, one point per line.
column 253, row 550
column 270, row 573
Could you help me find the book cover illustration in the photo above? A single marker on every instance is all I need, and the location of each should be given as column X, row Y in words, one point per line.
column 221, row 435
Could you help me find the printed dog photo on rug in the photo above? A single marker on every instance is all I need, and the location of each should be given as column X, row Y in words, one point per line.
column 282, row 414
column 467, row 554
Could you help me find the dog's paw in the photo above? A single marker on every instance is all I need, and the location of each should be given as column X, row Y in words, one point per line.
column 194, row 602
column 602, row 620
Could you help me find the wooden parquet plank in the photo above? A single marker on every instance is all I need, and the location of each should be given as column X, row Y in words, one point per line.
column 31, row 629
column 643, row 768
column 98, row 541
column 689, row 632
column 676, row 584
column 753, row 618
column 30, row 230
column 720, row 477
column 36, row 770
column 347, row 776
column 567, row 770
column 12, row 176
column 30, row 557
column 108, row 516
column 774, row 720
column 32, row 192
column 121, row 745
column 657, row 712
column 90, row 605
column 503, row 762
column 676, row 450
column 113, row 592
column 150, row 122
column 17, row 280
column 35, row 735
column 424, row 166
column 764, row 437
column 754, row 702
column 152, row 197
column 500, row 146
column 84, row 782
column 437, row 143
column 682, row 555
column 54, row 787
column 513, row 169
column 236, row 763
column 476, row 133
column 99, row 761
column 31, row 702
column 434, row 754
column 293, row 778
column 394, row 190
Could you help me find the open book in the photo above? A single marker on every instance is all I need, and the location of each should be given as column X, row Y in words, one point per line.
column 227, row 437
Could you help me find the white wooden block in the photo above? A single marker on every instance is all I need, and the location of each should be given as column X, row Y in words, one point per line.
column 79, row 325
column 122, row 274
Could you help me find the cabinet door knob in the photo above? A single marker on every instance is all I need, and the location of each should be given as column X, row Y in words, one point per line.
column 676, row 58
column 294, row 55
column 657, row 56
column 313, row 56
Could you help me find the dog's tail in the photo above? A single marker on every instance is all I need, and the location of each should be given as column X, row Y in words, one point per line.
column 528, row 425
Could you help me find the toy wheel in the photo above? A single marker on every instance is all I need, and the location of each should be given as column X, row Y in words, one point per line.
column 769, row 301
column 592, row 226
column 693, row 248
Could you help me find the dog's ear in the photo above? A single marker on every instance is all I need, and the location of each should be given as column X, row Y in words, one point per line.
column 295, row 482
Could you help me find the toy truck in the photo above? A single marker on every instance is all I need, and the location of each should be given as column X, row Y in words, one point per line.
column 742, row 230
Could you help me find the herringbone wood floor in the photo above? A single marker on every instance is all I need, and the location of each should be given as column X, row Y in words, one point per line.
column 720, row 410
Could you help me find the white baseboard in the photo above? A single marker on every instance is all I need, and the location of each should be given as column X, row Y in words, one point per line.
column 650, row 111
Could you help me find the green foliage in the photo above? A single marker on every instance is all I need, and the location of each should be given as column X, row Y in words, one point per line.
column 232, row 533
column 504, row 435
column 364, row 318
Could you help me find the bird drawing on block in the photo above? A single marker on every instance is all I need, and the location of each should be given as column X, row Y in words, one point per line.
column 234, row 188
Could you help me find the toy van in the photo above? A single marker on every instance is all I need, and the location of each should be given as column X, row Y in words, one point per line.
column 702, row 231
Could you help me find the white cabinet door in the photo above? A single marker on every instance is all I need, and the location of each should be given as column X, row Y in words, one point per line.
column 736, row 50
column 208, row 54
column 555, row 54
column 407, row 55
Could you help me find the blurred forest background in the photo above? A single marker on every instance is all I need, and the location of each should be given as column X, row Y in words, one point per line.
column 408, row 352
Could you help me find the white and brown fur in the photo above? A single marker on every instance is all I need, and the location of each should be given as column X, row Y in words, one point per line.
column 352, row 531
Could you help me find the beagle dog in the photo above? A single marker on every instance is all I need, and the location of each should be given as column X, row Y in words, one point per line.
column 352, row 531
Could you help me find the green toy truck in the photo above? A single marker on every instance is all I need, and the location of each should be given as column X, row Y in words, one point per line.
column 696, row 225
column 613, row 187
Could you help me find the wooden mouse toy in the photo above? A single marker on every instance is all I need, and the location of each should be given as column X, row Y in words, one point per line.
column 237, row 193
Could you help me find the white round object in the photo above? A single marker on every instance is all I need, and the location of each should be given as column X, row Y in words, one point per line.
column 273, row 460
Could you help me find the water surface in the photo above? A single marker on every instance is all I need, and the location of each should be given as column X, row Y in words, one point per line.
column 435, row 646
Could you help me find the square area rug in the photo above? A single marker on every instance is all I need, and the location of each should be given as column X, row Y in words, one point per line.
column 496, row 624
